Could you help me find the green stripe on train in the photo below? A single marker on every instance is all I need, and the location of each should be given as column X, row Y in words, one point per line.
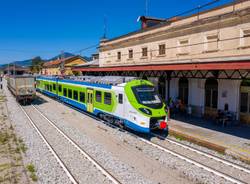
column 99, row 105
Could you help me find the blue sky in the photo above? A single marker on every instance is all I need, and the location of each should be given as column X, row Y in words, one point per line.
column 30, row 28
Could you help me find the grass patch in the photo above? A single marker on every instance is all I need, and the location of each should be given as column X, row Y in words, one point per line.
column 33, row 177
column 247, row 144
column 4, row 167
column 4, row 137
column 20, row 140
column 31, row 168
column 17, row 150
column 32, row 171
column 23, row 147
column 179, row 138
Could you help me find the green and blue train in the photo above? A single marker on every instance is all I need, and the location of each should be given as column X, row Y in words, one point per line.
column 132, row 103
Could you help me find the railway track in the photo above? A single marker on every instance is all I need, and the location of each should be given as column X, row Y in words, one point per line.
column 226, row 169
column 31, row 113
column 221, row 167
column 208, row 155
column 229, row 171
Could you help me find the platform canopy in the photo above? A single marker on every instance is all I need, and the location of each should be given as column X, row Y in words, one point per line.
column 232, row 65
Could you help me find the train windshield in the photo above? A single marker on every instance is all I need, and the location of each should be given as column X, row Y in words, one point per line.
column 146, row 95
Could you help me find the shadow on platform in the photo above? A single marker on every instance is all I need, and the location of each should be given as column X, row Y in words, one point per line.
column 239, row 130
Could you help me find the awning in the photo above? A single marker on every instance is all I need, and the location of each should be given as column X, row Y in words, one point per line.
column 234, row 65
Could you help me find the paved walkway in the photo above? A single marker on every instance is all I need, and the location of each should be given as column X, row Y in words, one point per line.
column 233, row 139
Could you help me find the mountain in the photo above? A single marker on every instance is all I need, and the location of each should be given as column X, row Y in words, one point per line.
column 28, row 62
column 24, row 63
column 65, row 55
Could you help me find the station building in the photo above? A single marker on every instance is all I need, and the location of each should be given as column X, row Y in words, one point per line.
column 62, row 65
column 202, row 59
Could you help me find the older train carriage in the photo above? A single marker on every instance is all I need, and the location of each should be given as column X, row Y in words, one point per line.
column 22, row 87
column 125, row 101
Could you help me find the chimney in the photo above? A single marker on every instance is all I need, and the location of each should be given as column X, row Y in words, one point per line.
column 149, row 21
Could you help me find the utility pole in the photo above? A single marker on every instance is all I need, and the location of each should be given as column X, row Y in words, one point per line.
column 105, row 27
column 62, row 63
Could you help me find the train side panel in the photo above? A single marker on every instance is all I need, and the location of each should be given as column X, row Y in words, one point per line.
column 108, row 102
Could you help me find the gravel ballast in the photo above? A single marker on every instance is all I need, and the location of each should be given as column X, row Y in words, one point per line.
column 194, row 173
column 125, row 171
column 47, row 169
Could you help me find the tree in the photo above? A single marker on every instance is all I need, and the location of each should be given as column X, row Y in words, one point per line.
column 36, row 64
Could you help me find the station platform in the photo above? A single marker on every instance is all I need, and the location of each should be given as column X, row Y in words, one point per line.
column 233, row 140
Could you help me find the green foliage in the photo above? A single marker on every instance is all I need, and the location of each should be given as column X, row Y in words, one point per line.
column 36, row 65
column 4, row 137
column 32, row 170
column 33, row 176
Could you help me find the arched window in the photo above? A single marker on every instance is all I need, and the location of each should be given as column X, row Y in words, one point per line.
column 245, row 96
column 162, row 87
column 211, row 93
column 183, row 90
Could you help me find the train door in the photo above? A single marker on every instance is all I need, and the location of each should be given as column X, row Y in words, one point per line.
column 90, row 105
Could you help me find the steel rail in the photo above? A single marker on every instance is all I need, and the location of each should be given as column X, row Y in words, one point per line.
column 61, row 163
column 84, row 153
column 214, row 171
column 209, row 169
column 224, row 161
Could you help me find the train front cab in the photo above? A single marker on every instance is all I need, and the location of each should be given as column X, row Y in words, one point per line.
column 146, row 108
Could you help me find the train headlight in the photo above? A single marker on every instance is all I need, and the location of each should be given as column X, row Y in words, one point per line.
column 146, row 111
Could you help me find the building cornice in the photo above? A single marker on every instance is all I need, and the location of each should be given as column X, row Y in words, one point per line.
column 200, row 25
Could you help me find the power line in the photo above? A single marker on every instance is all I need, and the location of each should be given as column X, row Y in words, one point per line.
column 86, row 48
column 26, row 51
column 198, row 8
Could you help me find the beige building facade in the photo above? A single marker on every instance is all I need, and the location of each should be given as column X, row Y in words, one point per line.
column 62, row 66
column 220, row 34
column 202, row 60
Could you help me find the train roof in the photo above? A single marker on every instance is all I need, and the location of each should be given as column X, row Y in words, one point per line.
column 109, row 80
column 100, row 81
column 21, row 76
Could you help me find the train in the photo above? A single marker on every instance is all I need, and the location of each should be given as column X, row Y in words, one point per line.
column 22, row 87
column 128, row 102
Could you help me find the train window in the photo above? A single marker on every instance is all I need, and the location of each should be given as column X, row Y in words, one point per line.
column 64, row 92
column 82, row 97
column 107, row 98
column 60, row 88
column 120, row 98
column 69, row 93
column 54, row 86
column 75, row 95
column 98, row 96
column 50, row 87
